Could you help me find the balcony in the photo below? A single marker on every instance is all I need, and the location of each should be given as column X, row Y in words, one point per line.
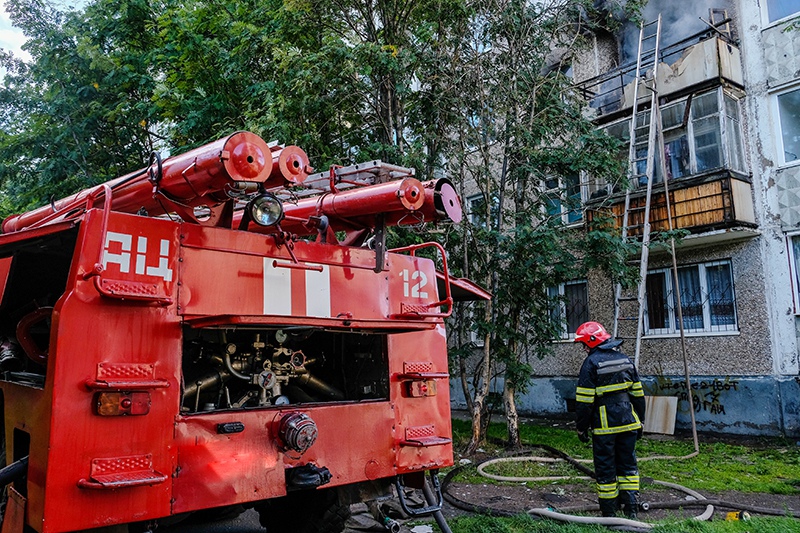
column 718, row 205
column 700, row 87
column 687, row 66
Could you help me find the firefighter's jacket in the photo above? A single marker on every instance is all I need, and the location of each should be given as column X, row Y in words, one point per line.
column 609, row 397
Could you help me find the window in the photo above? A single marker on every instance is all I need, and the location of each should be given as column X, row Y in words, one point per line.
column 794, row 261
column 779, row 9
column 677, row 155
column 563, row 198
column 789, row 120
column 475, row 314
column 707, row 299
column 569, row 307
column 476, row 210
column 597, row 188
column 642, row 134
column 706, row 134
column 733, row 134
column 696, row 129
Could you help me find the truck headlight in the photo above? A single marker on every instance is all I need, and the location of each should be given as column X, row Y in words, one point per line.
column 265, row 209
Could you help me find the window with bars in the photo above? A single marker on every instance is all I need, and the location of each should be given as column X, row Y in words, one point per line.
column 708, row 303
column 569, row 307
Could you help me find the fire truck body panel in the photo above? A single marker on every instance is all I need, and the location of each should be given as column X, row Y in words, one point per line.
column 119, row 469
column 217, row 469
column 106, row 467
column 98, row 460
column 228, row 469
column 151, row 367
column 255, row 277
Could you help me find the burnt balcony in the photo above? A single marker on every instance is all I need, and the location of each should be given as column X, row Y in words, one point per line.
column 720, row 200
column 696, row 63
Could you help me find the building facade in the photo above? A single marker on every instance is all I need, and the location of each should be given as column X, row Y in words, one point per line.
column 728, row 82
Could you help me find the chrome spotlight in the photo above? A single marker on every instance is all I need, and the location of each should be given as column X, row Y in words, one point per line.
column 265, row 209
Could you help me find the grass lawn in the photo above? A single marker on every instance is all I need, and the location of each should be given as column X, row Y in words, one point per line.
column 761, row 466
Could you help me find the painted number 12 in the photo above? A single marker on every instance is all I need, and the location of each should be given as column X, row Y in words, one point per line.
column 414, row 289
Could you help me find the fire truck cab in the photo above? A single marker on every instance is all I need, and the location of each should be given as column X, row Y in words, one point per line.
column 165, row 351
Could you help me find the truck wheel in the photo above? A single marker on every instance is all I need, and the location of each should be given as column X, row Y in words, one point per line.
column 317, row 511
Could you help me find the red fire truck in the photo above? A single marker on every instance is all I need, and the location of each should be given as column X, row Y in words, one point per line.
column 224, row 328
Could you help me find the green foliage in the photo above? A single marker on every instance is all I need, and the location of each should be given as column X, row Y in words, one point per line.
column 531, row 435
column 522, row 139
column 792, row 25
column 72, row 117
column 516, row 524
column 772, row 466
column 719, row 467
column 111, row 82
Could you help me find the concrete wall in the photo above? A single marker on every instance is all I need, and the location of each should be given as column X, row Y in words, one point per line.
column 722, row 403
column 771, row 61
column 744, row 352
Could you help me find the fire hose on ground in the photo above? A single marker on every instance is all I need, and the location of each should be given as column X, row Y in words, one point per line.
column 622, row 524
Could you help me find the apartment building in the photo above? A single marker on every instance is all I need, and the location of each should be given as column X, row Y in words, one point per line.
column 728, row 82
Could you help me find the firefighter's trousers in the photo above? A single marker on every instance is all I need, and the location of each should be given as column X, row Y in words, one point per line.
column 616, row 469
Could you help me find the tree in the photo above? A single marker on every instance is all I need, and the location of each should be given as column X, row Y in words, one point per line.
column 523, row 128
column 76, row 114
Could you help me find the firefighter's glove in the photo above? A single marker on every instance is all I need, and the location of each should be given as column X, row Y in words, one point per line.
column 640, row 433
column 583, row 436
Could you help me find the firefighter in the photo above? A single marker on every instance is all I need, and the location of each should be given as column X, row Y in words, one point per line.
column 610, row 403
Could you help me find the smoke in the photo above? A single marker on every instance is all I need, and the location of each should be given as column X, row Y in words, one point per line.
column 679, row 20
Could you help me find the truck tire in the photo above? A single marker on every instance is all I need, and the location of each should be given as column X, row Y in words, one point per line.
column 316, row 511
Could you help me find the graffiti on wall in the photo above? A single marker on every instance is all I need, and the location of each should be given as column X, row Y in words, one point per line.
column 708, row 395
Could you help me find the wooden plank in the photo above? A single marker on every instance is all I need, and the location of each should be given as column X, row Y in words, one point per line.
column 743, row 201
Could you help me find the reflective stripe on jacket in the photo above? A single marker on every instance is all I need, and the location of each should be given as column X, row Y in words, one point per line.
column 609, row 397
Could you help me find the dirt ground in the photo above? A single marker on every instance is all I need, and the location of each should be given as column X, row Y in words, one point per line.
column 663, row 502
column 563, row 497
column 519, row 498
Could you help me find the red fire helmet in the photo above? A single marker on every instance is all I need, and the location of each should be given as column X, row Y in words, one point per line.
column 591, row 334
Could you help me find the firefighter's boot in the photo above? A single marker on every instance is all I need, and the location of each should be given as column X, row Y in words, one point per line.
column 630, row 505
column 608, row 507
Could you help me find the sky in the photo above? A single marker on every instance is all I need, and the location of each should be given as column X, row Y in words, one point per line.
column 11, row 38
